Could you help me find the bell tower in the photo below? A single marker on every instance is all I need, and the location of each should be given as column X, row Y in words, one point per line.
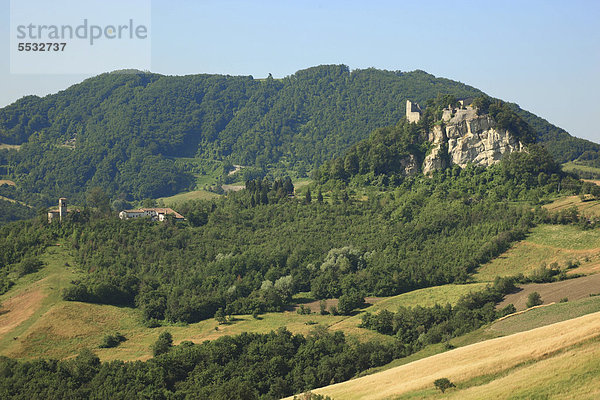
column 62, row 208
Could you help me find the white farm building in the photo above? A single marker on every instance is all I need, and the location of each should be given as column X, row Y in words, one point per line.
column 156, row 214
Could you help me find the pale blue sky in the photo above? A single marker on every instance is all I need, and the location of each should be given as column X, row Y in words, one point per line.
column 543, row 55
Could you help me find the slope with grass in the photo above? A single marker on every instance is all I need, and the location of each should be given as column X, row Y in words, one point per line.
column 547, row 244
column 523, row 354
column 200, row 194
column 33, row 297
column 590, row 208
column 46, row 326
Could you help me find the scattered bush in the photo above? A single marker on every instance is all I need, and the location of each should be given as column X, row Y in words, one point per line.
column 509, row 309
column 302, row 310
column 112, row 341
column 534, row 299
column 29, row 265
column 443, row 384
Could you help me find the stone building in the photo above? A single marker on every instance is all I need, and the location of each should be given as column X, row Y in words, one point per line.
column 59, row 213
column 413, row 112
column 156, row 214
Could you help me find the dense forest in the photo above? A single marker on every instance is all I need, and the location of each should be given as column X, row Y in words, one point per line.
column 143, row 135
column 252, row 250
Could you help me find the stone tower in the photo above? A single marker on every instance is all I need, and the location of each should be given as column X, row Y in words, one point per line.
column 413, row 111
column 62, row 208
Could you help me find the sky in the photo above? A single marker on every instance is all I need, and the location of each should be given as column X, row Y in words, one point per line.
column 542, row 55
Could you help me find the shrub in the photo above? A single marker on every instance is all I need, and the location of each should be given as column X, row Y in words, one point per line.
column 302, row 310
column 534, row 299
column 350, row 301
column 323, row 307
column 78, row 292
column 29, row 265
column 152, row 323
column 112, row 341
column 509, row 309
column 220, row 316
column 443, row 384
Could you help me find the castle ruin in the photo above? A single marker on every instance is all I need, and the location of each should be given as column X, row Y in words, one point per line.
column 413, row 112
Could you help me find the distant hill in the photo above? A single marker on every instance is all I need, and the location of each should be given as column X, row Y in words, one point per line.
column 134, row 134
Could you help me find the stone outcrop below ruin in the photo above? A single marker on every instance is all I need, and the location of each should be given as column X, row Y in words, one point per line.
column 464, row 137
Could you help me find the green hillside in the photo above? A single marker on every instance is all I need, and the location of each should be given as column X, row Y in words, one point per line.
column 146, row 135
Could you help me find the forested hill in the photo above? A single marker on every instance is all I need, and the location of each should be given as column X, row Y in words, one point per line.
column 128, row 133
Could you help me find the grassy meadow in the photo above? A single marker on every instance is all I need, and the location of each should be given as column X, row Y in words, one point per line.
column 546, row 244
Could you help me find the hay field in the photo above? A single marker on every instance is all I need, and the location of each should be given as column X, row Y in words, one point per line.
column 529, row 354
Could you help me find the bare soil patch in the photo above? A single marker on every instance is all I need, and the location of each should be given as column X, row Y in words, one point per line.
column 594, row 181
column 232, row 188
column 19, row 308
column 572, row 289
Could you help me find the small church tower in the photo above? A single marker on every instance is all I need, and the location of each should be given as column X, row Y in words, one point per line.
column 62, row 208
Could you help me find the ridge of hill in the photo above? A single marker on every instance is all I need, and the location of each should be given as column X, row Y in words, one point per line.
column 146, row 135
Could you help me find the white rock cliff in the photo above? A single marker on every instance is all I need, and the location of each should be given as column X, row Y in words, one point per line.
column 465, row 137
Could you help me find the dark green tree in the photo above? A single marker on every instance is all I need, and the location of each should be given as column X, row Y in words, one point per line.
column 443, row 384
column 534, row 299
column 163, row 344
column 307, row 197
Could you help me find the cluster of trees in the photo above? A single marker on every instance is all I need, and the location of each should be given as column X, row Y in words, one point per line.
column 238, row 258
column 263, row 192
column 12, row 211
column 130, row 133
column 243, row 367
column 383, row 153
column 420, row 326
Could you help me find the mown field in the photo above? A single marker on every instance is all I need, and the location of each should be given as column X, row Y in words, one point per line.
column 187, row 196
column 547, row 244
column 573, row 165
column 522, row 365
column 588, row 207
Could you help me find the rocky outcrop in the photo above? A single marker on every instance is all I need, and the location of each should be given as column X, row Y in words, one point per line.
column 465, row 137
column 410, row 165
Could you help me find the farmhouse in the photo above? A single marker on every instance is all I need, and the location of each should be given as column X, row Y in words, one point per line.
column 156, row 214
